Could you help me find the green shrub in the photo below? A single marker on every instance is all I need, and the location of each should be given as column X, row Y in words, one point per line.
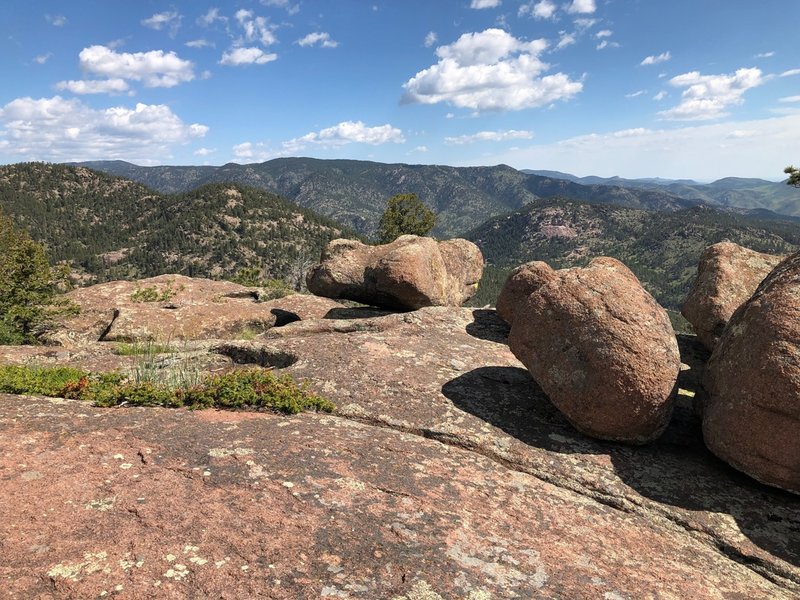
column 153, row 293
column 250, row 388
column 142, row 349
column 405, row 214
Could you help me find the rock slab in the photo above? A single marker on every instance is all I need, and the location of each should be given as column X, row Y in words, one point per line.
column 728, row 274
column 600, row 347
column 751, row 419
column 410, row 273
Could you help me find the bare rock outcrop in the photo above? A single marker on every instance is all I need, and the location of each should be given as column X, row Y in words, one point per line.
column 601, row 348
column 175, row 307
column 521, row 283
column 727, row 276
column 751, row 419
column 410, row 273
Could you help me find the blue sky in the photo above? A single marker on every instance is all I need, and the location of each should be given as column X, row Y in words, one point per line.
column 699, row 89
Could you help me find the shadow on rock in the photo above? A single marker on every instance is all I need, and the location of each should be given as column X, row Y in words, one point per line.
column 488, row 326
column 357, row 312
column 677, row 470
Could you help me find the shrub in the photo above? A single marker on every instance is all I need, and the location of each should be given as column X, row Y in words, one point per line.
column 250, row 388
column 152, row 293
column 405, row 214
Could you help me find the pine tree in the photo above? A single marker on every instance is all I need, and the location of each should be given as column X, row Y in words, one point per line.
column 405, row 214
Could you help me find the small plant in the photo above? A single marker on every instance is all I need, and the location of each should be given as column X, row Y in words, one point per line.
column 249, row 388
column 271, row 289
column 142, row 348
column 153, row 293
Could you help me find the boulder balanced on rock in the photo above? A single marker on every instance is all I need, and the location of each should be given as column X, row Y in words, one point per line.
column 409, row 273
column 752, row 417
column 727, row 276
column 600, row 347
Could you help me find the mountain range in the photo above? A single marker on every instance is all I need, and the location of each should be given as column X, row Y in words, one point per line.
column 355, row 193
column 730, row 192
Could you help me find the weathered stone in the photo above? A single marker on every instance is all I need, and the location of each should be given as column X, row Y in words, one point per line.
column 444, row 471
column 727, row 276
column 751, row 419
column 521, row 283
column 409, row 273
column 175, row 307
column 602, row 349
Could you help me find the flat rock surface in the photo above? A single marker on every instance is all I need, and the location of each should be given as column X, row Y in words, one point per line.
column 445, row 472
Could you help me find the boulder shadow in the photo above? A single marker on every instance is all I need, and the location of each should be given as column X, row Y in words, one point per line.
column 488, row 326
column 676, row 470
column 357, row 312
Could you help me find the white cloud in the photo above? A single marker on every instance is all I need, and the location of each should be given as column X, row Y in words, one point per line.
column 256, row 28
column 288, row 6
column 655, row 59
column 43, row 58
column 58, row 130
column 790, row 99
column 635, row 94
column 566, row 39
column 585, row 23
column 56, row 20
column 707, row 96
column 790, row 72
column 431, row 39
column 705, row 152
column 606, row 44
column 420, row 149
column 155, row 68
column 238, row 57
column 660, row 95
column 204, row 151
column 100, row 86
column 490, row 70
column 765, row 55
column 346, row 132
column 545, row 9
column 489, row 136
column 319, row 38
column 168, row 19
column 582, row 7
column 479, row 4
column 201, row 43
column 605, row 33
column 211, row 17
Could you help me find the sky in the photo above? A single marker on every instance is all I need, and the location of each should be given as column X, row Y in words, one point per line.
column 698, row 89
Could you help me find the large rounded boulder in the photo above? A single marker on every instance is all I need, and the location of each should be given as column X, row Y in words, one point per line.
column 600, row 347
column 751, row 419
column 727, row 276
column 409, row 273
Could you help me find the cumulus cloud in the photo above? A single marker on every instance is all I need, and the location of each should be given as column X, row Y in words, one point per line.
column 238, row 57
column 582, row 7
column 606, row 44
column 655, row 59
column 790, row 72
column 489, row 136
column 707, row 96
column 479, row 4
column 490, row 70
column 347, row 132
column 169, row 19
column 100, row 86
column 431, row 39
column 58, row 130
column 319, row 38
column 256, row 28
column 565, row 39
column 204, row 151
column 545, row 9
column 155, row 68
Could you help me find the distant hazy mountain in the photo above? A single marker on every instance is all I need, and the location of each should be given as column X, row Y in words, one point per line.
column 663, row 249
column 733, row 192
column 355, row 192
column 113, row 228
